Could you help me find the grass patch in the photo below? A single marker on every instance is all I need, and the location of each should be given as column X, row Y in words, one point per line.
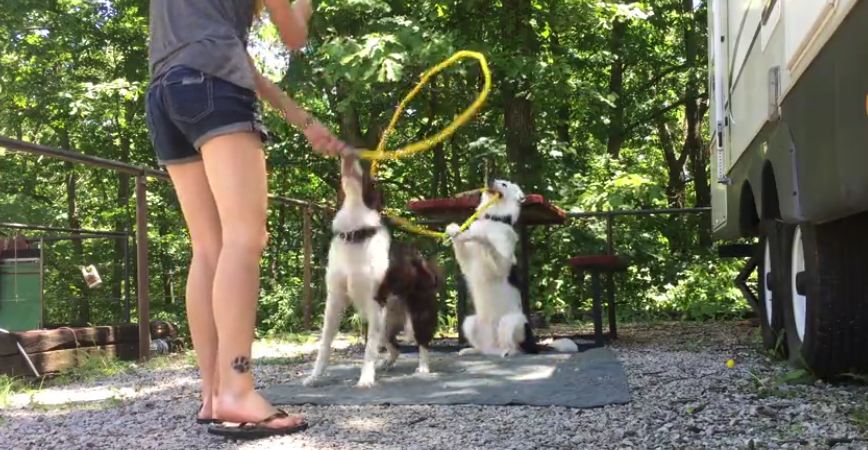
column 8, row 386
column 780, row 385
column 96, row 405
column 171, row 361
column 859, row 417
column 290, row 338
column 92, row 367
column 278, row 361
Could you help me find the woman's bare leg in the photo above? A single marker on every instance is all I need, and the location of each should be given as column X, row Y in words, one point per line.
column 200, row 213
column 235, row 165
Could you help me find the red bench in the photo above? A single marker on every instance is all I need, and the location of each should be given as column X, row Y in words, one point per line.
column 596, row 265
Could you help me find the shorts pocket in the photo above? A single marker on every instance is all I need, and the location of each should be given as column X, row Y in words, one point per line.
column 189, row 94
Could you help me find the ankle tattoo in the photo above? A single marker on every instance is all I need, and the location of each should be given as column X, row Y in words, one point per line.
column 241, row 364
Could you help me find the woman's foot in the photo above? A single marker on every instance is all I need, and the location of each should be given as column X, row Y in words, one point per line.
column 252, row 408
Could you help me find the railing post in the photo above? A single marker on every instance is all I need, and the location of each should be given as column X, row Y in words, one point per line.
column 126, row 281
column 307, row 274
column 610, row 276
column 142, row 291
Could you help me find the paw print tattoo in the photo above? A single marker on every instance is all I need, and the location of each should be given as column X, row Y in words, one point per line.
column 241, row 364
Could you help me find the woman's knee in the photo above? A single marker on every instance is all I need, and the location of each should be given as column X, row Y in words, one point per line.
column 246, row 239
column 207, row 251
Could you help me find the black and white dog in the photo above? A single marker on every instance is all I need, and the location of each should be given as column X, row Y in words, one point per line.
column 388, row 287
column 486, row 256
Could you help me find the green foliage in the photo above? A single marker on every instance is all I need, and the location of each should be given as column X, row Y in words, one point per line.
column 859, row 416
column 8, row 386
column 781, row 385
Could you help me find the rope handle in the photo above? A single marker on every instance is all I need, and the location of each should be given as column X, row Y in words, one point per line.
column 380, row 153
column 411, row 227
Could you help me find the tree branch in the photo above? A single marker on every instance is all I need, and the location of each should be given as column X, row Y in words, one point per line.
column 652, row 116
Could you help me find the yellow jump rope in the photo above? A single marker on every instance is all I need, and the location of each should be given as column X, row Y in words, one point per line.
column 380, row 153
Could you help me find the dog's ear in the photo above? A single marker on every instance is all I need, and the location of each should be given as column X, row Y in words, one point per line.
column 371, row 195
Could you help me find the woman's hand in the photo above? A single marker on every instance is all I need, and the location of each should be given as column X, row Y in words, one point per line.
column 290, row 20
column 304, row 10
column 322, row 140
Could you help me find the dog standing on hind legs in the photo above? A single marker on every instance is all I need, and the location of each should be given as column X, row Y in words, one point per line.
column 486, row 256
column 392, row 287
column 358, row 260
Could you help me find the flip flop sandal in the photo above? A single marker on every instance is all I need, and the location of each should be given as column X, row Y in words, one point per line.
column 257, row 430
column 205, row 421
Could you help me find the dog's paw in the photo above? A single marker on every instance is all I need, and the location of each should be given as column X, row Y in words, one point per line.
column 423, row 369
column 310, row 381
column 366, row 382
column 509, row 352
column 453, row 229
column 468, row 351
column 385, row 364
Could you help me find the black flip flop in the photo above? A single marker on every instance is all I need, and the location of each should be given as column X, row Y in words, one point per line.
column 205, row 421
column 257, row 430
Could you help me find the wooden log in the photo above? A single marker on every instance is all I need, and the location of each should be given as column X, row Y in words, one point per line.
column 38, row 341
column 57, row 360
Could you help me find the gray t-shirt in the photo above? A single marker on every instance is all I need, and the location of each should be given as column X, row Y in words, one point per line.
column 207, row 35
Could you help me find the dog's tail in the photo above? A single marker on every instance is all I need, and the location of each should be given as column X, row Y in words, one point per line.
column 530, row 344
column 564, row 345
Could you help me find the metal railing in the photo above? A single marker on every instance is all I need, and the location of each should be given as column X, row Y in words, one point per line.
column 141, row 174
column 611, row 215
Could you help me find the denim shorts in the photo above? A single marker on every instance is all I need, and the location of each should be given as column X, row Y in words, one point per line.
column 186, row 107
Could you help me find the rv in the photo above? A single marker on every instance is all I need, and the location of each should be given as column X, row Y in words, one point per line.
column 788, row 81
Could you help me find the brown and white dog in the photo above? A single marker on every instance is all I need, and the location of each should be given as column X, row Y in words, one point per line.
column 408, row 294
column 389, row 287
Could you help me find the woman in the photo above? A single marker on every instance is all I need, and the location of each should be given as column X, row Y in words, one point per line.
column 201, row 111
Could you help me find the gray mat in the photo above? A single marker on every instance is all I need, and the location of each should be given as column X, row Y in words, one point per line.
column 583, row 380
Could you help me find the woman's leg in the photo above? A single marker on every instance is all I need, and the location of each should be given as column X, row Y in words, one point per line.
column 235, row 165
column 200, row 213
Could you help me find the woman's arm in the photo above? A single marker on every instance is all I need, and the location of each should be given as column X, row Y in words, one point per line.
column 294, row 114
column 320, row 138
column 291, row 20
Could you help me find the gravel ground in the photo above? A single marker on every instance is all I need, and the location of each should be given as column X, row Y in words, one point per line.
column 684, row 396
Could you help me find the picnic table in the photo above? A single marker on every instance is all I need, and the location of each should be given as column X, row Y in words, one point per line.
column 535, row 211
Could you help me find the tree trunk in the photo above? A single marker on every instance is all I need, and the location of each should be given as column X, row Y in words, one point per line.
column 460, row 184
column 694, row 110
column 562, row 127
column 73, row 221
column 518, row 107
column 616, row 89
column 675, row 194
column 439, row 182
column 122, row 219
column 307, row 269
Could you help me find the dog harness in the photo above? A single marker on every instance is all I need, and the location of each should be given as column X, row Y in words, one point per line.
column 503, row 219
column 358, row 236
